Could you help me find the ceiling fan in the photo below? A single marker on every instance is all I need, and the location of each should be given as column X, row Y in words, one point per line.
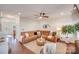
column 75, row 10
column 42, row 15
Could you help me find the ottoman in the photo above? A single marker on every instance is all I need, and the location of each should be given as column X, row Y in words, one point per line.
column 40, row 41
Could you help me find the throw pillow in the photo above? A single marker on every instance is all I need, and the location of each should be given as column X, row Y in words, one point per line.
column 26, row 34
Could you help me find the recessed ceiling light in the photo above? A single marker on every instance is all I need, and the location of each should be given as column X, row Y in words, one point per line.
column 1, row 13
column 62, row 13
column 9, row 16
column 19, row 13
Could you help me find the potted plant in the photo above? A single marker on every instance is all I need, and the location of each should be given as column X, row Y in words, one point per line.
column 68, row 30
column 71, row 31
column 77, row 29
column 65, row 30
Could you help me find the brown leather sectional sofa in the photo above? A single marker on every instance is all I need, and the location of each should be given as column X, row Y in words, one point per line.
column 33, row 35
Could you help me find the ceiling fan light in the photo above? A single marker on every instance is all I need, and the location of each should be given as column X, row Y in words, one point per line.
column 40, row 17
column 74, row 8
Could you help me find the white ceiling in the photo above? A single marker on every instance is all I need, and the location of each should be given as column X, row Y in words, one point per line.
column 29, row 10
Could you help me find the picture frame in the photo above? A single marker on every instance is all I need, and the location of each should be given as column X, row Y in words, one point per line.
column 46, row 26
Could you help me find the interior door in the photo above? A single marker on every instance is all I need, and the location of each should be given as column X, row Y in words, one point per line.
column 8, row 28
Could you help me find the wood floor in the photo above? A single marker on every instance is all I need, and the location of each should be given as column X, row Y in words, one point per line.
column 16, row 47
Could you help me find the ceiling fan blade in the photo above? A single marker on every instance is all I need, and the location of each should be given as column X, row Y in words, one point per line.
column 36, row 15
column 46, row 16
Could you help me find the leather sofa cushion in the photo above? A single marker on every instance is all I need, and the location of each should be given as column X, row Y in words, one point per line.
column 26, row 34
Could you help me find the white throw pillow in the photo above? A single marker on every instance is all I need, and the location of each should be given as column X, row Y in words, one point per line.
column 21, row 37
column 49, row 37
column 26, row 34
column 38, row 33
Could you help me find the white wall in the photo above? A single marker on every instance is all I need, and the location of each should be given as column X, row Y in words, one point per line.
column 0, row 24
column 28, row 25
column 0, row 29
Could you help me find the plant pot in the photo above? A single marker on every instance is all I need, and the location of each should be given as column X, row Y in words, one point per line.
column 77, row 35
column 70, row 35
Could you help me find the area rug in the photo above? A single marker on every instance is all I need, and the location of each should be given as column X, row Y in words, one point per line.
column 34, row 47
column 60, row 47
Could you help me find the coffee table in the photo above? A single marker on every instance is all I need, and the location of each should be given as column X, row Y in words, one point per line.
column 40, row 41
